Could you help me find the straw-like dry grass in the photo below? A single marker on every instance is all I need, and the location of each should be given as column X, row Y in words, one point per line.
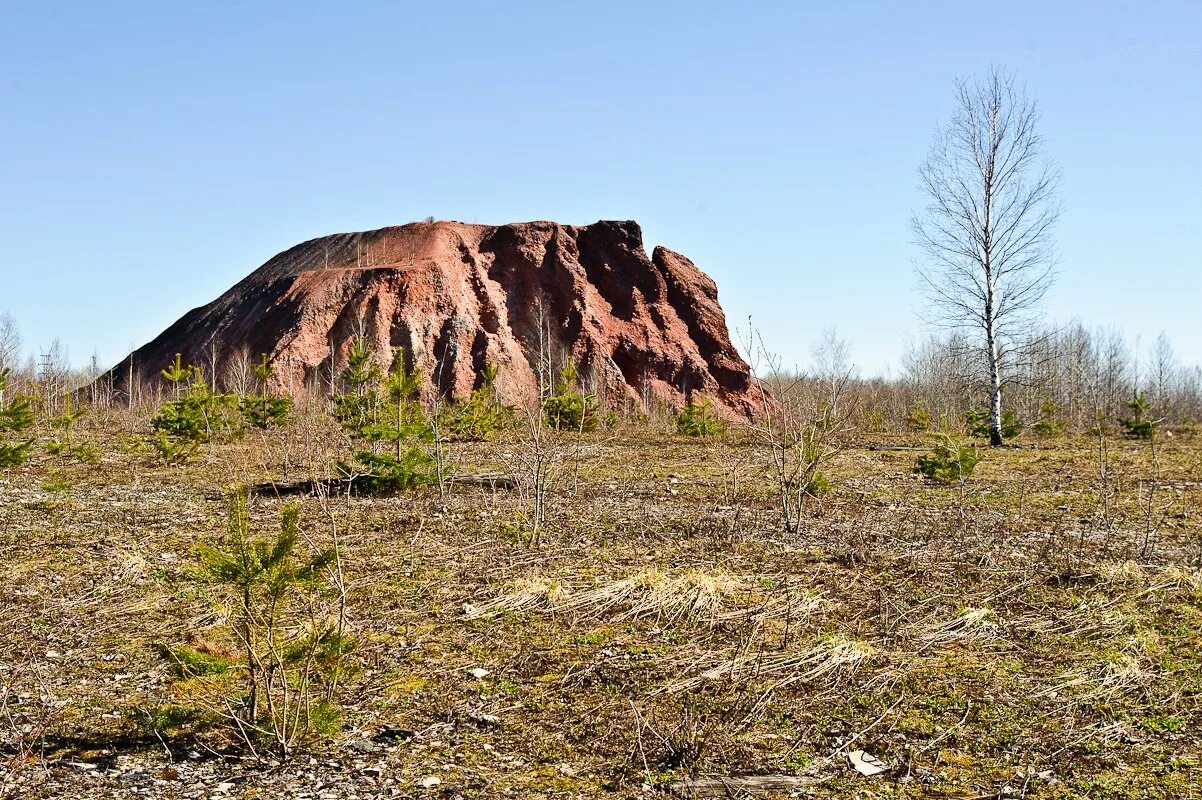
column 1011, row 640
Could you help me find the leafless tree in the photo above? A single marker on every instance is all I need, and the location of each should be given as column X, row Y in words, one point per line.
column 798, row 431
column 986, row 231
column 832, row 365
column 238, row 370
column 545, row 365
column 1118, row 368
column 212, row 357
column 10, row 341
column 54, row 373
column 1162, row 373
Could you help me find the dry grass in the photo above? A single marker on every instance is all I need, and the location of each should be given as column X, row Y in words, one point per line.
column 692, row 595
column 826, row 660
column 970, row 625
column 666, row 627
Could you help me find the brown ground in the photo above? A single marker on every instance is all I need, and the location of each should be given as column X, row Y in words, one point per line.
column 1009, row 642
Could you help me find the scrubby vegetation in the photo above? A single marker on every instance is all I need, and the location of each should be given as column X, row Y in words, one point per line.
column 568, row 408
column 1048, row 422
column 194, row 415
column 950, row 460
column 480, row 417
column 16, row 416
column 820, row 600
column 381, row 414
column 1138, row 425
column 698, row 417
column 63, row 423
column 978, row 423
column 273, row 684
column 265, row 409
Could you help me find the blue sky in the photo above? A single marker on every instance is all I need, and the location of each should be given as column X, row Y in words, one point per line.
column 150, row 155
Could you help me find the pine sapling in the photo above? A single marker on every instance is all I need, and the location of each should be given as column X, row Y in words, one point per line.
column 265, row 410
column 950, row 461
column 65, row 422
column 276, row 686
column 478, row 418
column 698, row 417
column 193, row 417
column 1138, row 425
column 384, row 418
column 358, row 405
column 568, row 408
column 16, row 416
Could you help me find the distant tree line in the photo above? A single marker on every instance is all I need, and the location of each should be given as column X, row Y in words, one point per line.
column 1056, row 378
column 1062, row 378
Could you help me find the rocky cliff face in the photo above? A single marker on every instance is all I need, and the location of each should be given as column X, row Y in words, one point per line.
column 521, row 298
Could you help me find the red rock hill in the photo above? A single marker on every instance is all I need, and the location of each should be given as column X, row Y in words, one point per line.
column 458, row 297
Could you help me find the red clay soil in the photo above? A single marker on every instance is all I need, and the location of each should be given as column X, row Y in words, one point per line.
column 458, row 297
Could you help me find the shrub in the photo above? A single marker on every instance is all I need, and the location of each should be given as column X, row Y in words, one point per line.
column 1186, row 428
column 358, row 406
column 382, row 473
column 477, row 419
column 1138, row 426
column 978, row 424
column 1048, row 423
column 799, row 438
column 918, row 418
column 393, row 425
column 949, row 461
column 567, row 408
column 191, row 662
column 276, row 685
column 818, row 485
column 872, row 419
column 65, row 422
column 697, row 418
column 265, row 410
column 16, row 415
column 1011, row 425
column 193, row 418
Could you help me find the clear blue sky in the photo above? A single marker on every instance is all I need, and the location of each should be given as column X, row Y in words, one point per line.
column 152, row 156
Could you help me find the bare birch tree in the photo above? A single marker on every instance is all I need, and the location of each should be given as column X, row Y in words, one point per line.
column 832, row 365
column 238, row 370
column 986, row 231
column 1162, row 375
column 10, row 341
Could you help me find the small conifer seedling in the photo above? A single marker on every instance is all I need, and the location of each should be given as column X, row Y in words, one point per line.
column 950, row 461
column 193, row 417
column 568, row 408
column 384, row 418
column 16, row 416
column 1138, row 425
column 265, row 410
column 698, row 417
column 275, row 685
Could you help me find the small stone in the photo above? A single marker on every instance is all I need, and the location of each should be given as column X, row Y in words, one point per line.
column 363, row 746
column 866, row 764
column 429, row 782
